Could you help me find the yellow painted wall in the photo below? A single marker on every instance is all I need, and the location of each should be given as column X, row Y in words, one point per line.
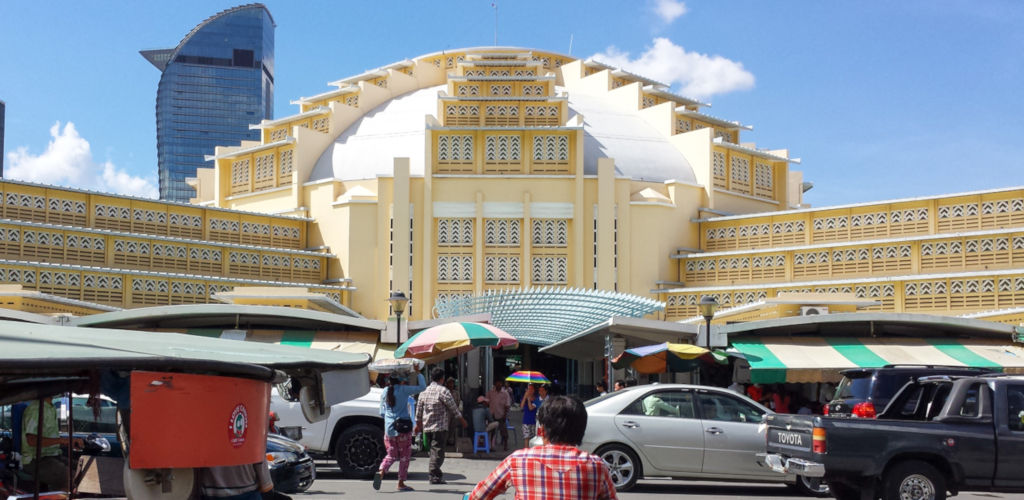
column 733, row 203
column 353, row 217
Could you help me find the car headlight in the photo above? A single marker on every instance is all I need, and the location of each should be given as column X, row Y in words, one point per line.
column 279, row 458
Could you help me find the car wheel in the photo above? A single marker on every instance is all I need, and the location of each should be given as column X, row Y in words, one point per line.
column 623, row 465
column 914, row 480
column 811, row 486
column 359, row 450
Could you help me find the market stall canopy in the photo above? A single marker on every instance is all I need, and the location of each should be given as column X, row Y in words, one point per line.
column 449, row 339
column 668, row 357
column 27, row 317
column 866, row 324
column 226, row 316
column 350, row 342
column 819, row 359
column 588, row 345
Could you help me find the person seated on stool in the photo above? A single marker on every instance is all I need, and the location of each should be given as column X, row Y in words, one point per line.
column 500, row 403
column 482, row 421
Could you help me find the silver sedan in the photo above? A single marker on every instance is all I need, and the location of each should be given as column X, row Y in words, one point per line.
column 681, row 431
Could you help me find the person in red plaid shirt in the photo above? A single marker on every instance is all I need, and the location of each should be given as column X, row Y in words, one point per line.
column 557, row 469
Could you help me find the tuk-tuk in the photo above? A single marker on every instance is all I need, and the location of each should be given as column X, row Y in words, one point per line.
column 182, row 402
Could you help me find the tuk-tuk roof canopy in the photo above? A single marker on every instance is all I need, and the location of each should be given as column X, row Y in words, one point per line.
column 27, row 348
column 226, row 315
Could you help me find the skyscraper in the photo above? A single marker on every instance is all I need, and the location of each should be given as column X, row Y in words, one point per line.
column 3, row 110
column 215, row 83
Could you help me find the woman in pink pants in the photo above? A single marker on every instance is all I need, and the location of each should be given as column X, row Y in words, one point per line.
column 394, row 407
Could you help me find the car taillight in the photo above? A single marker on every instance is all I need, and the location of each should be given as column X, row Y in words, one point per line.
column 818, row 440
column 824, row 409
column 864, row 410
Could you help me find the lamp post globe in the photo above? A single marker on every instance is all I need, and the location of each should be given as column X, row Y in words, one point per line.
column 398, row 302
column 708, row 305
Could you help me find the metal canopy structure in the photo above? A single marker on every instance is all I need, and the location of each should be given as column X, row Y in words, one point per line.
column 590, row 344
column 872, row 324
column 544, row 316
column 226, row 316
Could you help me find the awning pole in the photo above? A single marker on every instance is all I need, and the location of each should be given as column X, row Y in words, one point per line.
column 39, row 449
column 71, row 445
column 608, row 361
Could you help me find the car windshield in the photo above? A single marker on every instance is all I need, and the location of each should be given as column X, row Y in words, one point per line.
column 854, row 388
column 600, row 398
column 102, row 419
column 878, row 388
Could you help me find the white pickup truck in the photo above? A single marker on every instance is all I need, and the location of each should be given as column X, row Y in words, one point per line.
column 353, row 433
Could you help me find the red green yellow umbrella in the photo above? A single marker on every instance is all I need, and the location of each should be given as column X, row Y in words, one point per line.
column 666, row 357
column 450, row 339
column 528, row 377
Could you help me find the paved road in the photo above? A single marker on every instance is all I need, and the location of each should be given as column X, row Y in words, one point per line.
column 462, row 474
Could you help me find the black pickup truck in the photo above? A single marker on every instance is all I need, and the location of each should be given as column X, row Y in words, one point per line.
column 939, row 435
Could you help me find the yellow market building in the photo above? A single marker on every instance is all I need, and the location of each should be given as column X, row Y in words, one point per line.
column 469, row 171
column 459, row 173
column 482, row 171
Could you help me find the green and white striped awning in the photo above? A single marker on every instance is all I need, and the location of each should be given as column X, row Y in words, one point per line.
column 351, row 342
column 819, row 359
column 543, row 316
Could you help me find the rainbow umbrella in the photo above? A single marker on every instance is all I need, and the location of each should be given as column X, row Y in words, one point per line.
column 528, row 378
column 666, row 357
column 449, row 339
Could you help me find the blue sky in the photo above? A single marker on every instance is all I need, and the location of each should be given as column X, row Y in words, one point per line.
column 881, row 100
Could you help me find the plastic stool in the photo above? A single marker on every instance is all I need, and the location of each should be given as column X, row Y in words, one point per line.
column 512, row 432
column 486, row 448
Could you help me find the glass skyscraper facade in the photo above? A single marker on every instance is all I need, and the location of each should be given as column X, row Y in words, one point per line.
column 3, row 111
column 215, row 83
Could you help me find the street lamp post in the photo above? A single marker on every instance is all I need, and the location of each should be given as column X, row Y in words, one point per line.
column 398, row 301
column 708, row 304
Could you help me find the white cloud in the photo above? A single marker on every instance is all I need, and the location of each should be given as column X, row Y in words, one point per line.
column 68, row 161
column 691, row 73
column 669, row 10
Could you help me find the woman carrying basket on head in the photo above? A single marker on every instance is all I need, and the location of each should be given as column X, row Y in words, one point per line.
column 398, row 424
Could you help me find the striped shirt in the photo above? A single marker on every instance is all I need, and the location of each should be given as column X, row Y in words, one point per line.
column 549, row 472
column 435, row 408
column 234, row 480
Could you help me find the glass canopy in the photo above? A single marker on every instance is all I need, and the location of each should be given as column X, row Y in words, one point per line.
column 543, row 316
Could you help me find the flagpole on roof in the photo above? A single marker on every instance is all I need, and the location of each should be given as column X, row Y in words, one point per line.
column 495, row 5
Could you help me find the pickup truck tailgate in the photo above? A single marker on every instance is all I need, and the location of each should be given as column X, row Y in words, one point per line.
column 790, row 446
column 790, row 435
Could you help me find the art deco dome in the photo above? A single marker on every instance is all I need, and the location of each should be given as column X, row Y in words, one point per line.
column 397, row 128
